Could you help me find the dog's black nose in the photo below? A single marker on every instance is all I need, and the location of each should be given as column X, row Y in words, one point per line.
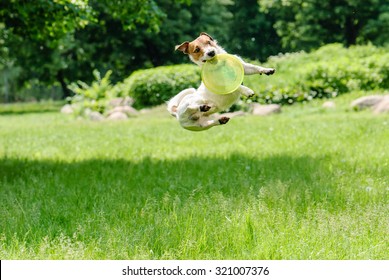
column 211, row 53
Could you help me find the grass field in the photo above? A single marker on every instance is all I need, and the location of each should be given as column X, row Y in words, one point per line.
column 306, row 184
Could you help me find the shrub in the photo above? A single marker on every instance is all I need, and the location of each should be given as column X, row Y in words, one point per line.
column 157, row 85
column 358, row 68
column 327, row 72
column 94, row 97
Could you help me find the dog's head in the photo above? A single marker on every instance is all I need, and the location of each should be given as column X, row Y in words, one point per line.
column 201, row 49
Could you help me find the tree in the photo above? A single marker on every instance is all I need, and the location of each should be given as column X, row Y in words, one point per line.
column 376, row 29
column 108, row 44
column 310, row 24
column 38, row 33
column 41, row 33
column 251, row 33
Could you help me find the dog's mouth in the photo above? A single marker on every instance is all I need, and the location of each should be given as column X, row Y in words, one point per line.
column 207, row 59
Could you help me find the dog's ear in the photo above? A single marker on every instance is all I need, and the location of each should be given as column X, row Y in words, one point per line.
column 205, row 34
column 183, row 47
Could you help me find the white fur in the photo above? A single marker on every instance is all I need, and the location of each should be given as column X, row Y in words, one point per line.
column 205, row 57
column 197, row 110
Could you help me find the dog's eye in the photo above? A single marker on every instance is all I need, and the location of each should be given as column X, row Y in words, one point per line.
column 196, row 50
column 209, row 42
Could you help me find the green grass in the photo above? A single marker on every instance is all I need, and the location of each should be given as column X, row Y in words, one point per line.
column 305, row 184
column 32, row 107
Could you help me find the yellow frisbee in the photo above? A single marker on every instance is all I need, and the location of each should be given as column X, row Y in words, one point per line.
column 222, row 74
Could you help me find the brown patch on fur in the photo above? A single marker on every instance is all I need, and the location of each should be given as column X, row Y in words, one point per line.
column 183, row 47
column 196, row 47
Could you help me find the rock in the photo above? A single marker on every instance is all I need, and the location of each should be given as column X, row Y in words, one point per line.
column 117, row 116
column 329, row 105
column 128, row 110
column 121, row 101
column 265, row 110
column 383, row 106
column 96, row 116
column 145, row 111
column 67, row 109
column 366, row 101
column 87, row 112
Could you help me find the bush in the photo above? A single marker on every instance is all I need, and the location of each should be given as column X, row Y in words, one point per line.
column 356, row 68
column 94, row 97
column 327, row 72
column 157, row 85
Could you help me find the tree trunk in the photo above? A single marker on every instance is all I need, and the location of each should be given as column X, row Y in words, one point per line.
column 61, row 79
column 351, row 30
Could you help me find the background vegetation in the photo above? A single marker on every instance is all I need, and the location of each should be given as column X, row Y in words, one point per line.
column 327, row 72
column 48, row 44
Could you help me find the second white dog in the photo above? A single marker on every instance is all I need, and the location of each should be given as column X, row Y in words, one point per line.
column 196, row 109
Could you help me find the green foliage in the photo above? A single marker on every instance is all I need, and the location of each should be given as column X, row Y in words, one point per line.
column 94, row 97
column 155, row 86
column 376, row 28
column 328, row 72
column 35, row 91
column 8, row 77
column 56, row 42
column 310, row 24
column 44, row 20
column 38, row 36
column 342, row 71
column 132, row 13
column 60, row 41
column 250, row 32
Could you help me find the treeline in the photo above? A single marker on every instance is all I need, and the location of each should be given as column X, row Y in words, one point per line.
column 47, row 44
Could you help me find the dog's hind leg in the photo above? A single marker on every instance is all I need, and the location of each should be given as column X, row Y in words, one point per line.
column 208, row 122
column 196, row 123
column 173, row 103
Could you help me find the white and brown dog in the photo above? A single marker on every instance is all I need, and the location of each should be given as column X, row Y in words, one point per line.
column 195, row 109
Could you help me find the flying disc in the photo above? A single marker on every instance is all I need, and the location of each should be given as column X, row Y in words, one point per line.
column 222, row 74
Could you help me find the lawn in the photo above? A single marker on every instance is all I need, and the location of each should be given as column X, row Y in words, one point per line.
column 308, row 183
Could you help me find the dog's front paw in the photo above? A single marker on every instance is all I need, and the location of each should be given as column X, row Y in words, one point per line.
column 270, row 71
column 205, row 108
column 224, row 120
column 250, row 94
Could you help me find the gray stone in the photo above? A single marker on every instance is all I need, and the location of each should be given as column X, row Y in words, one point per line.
column 117, row 116
column 265, row 110
column 145, row 111
column 67, row 109
column 382, row 107
column 87, row 112
column 329, row 104
column 96, row 116
column 128, row 110
column 121, row 101
column 366, row 101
